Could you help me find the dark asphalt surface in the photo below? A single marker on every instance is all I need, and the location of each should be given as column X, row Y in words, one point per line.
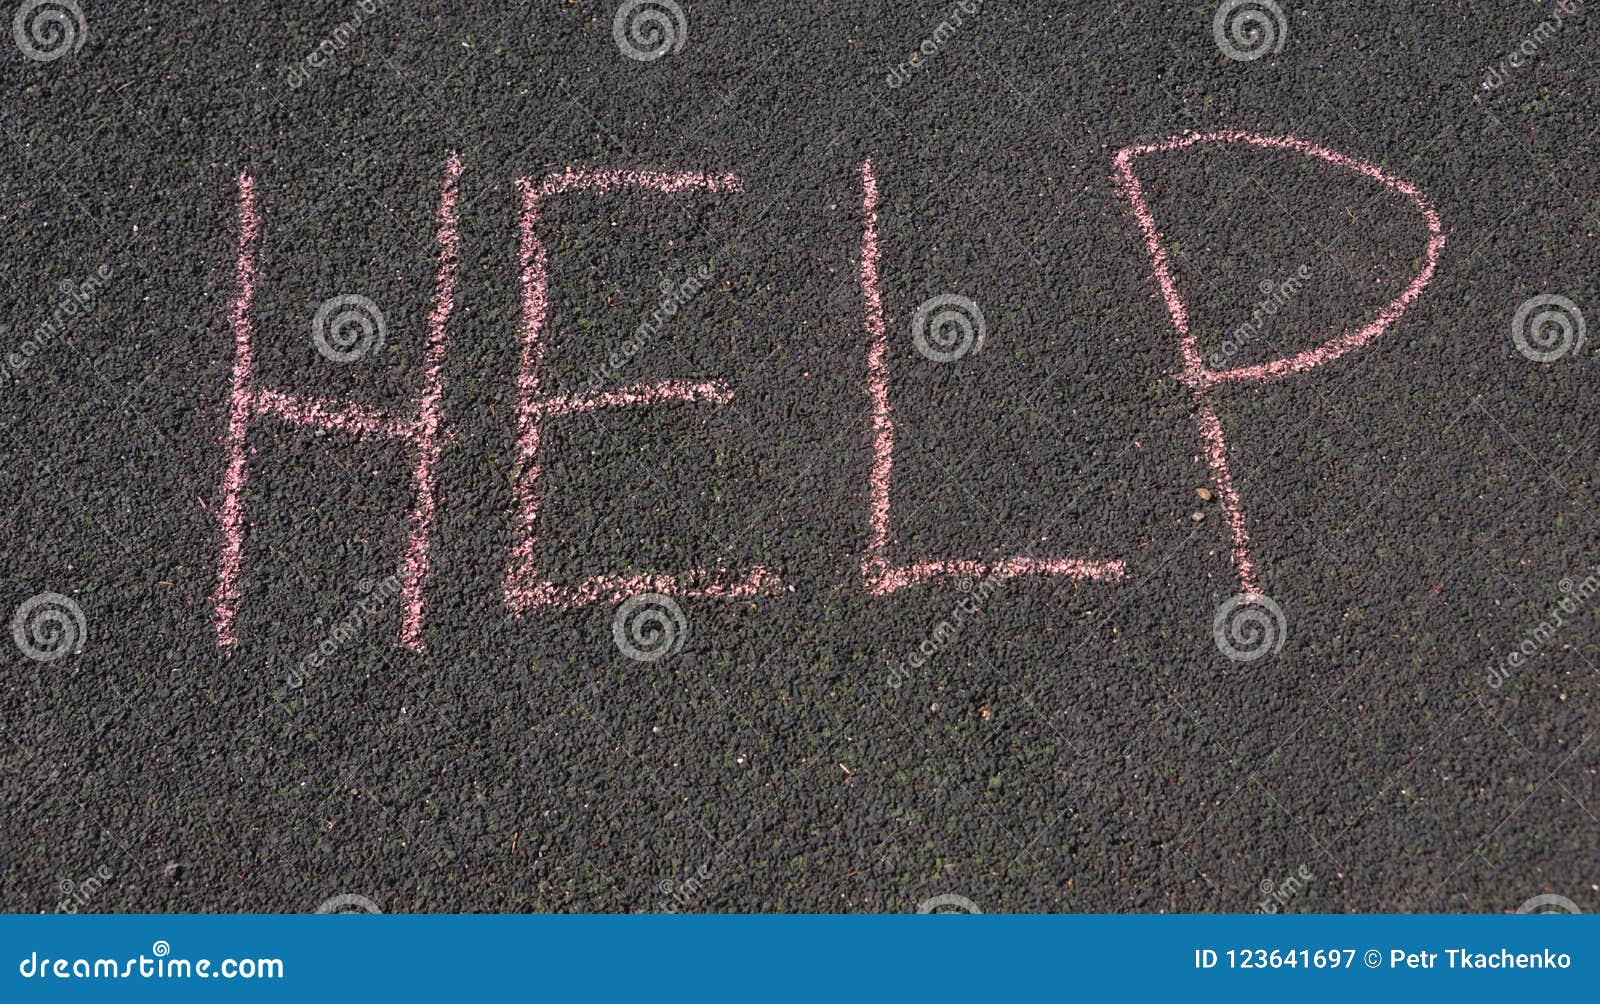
column 1414, row 508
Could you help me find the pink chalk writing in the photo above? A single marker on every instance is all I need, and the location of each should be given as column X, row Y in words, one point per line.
column 525, row 587
column 881, row 576
column 421, row 429
column 1201, row 378
column 240, row 405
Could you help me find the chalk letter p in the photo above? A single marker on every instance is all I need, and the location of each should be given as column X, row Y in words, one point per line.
column 1201, row 378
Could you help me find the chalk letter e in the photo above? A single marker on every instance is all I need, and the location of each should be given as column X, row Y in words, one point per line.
column 525, row 587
